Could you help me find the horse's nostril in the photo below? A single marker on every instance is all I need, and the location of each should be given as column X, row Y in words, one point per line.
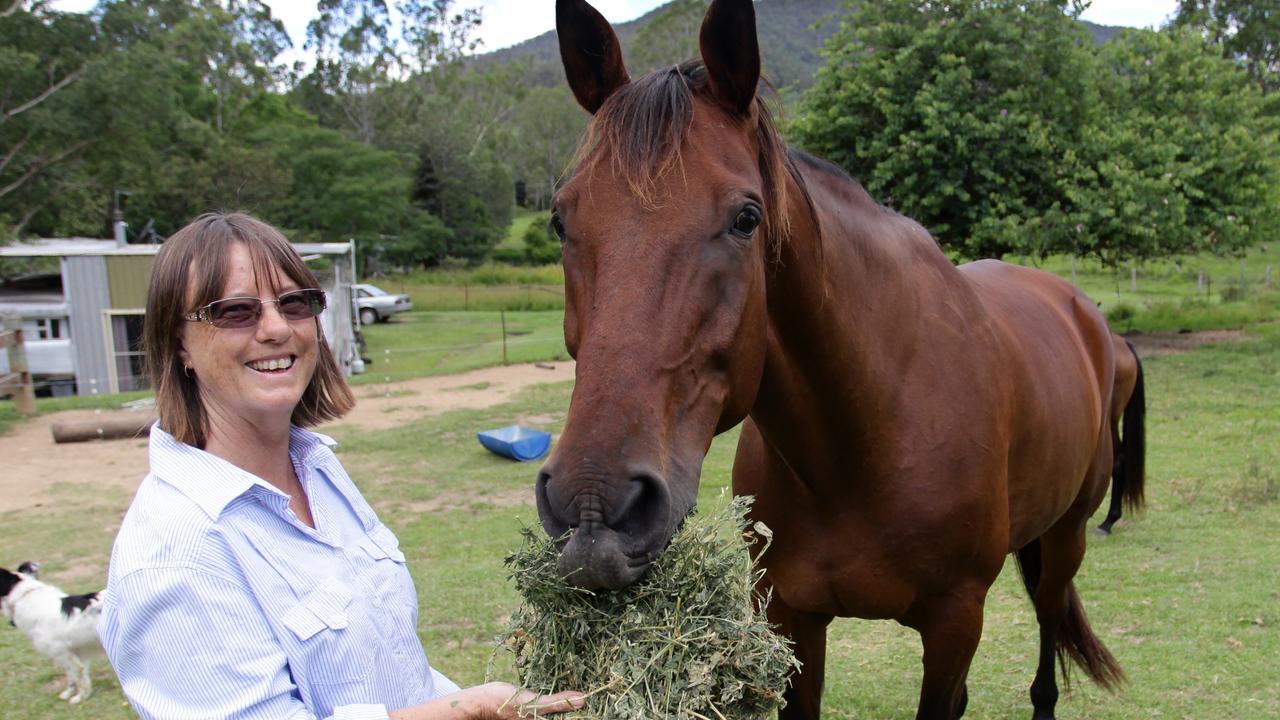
column 552, row 523
column 645, row 508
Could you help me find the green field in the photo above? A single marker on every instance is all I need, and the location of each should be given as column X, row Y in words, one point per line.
column 1186, row 595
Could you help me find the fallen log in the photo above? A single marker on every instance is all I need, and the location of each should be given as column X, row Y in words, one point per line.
column 115, row 428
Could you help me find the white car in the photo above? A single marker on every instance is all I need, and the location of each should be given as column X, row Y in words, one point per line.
column 377, row 305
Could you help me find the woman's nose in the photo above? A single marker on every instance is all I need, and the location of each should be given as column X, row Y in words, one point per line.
column 272, row 324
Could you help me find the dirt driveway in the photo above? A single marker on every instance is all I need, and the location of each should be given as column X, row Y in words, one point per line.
column 33, row 463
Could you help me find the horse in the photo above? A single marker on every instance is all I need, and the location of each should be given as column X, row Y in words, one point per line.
column 1128, row 409
column 906, row 424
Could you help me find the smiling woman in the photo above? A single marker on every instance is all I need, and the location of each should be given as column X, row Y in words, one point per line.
column 250, row 578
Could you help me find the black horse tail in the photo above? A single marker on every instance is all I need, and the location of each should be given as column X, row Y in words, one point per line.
column 1075, row 638
column 1131, row 463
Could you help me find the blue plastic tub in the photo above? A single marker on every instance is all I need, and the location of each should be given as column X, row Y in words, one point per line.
column 516, row 442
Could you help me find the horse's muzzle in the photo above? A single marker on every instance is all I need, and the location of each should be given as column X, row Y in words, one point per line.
column 618, row 527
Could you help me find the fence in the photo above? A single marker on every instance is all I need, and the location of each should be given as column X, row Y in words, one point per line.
column 16, row 382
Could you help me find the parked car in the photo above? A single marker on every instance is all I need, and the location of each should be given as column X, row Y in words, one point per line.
column 377, row 305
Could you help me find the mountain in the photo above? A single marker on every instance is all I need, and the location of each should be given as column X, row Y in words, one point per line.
column 789, row 42
column 791, row 33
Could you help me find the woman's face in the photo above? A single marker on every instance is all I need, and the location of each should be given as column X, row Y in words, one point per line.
column 251, row 378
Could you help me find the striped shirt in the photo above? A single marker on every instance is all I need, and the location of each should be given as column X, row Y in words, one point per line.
column 220, row 603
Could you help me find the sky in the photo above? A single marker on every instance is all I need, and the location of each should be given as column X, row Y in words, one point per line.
column 507, row 22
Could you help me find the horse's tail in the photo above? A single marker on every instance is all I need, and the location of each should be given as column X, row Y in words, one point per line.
column 1075, row 638
column 1131, row 463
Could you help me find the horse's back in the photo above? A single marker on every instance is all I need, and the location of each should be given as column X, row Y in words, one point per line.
column 1059, row 351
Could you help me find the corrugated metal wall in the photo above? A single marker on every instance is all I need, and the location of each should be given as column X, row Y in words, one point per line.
column 84, row 284
column 127, row 279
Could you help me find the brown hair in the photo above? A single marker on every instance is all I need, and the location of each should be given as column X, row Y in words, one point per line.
column 189, row 272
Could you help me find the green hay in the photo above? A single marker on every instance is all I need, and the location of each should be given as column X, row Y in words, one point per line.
column 685, row 642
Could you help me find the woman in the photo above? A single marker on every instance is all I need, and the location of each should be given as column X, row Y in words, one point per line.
column 250, row 578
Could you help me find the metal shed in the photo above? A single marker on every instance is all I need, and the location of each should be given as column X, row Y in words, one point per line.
column 104, row 287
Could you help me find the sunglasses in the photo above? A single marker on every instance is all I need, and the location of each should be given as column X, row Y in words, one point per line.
column 241, row 312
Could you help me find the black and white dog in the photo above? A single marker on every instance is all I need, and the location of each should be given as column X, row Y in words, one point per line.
column 62, row 626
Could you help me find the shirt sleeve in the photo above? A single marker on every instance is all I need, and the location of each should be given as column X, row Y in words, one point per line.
column 187, row 643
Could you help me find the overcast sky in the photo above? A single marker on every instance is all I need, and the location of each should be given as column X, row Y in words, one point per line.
column 507, row 22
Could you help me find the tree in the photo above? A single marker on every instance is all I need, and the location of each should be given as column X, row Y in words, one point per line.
column 1183, row 158
column 1244, row 29
column 543, row 133
column 44, row 57
column 965, row 115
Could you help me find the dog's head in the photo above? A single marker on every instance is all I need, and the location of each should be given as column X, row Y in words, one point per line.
column 8, row 581
column 30, row 567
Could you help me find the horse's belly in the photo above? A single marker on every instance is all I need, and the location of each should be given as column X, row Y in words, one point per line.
column 851, row 580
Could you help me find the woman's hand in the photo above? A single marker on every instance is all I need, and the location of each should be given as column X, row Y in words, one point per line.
column 513, row 703
column 493, row 701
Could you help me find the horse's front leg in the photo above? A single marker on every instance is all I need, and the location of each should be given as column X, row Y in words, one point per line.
column 950, row 627
column 809, row 633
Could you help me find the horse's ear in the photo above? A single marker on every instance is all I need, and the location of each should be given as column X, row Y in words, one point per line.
column 590, row 53
column 731, row 53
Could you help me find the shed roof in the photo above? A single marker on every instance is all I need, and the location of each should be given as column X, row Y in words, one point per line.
column 71, row 247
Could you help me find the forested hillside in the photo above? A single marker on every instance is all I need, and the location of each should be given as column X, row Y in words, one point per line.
column 997, row 123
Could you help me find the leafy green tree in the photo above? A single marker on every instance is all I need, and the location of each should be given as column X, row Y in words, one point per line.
column 1183, row 156
column 541, row 247
column 541, row 137
column 44, row 132
column 964, row 115
column 1245, row 29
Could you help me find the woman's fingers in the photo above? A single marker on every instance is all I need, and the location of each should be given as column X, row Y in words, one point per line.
column 528, row 704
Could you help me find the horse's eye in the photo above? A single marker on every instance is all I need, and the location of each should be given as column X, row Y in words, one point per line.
column 748, row 220
column 557, row 225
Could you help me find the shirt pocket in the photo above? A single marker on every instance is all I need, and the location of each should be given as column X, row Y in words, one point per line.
column 332, row 647
column 380, row 543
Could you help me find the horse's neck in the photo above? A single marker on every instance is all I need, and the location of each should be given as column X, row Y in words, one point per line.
column 850, row 308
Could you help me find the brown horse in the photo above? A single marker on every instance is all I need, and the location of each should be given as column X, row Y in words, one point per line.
column 1128, row 411
column 907, row 423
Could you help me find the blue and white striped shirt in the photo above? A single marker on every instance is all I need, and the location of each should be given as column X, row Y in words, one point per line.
column 220, row 603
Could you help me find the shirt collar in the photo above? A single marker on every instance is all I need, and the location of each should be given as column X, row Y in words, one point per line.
column 211, row 482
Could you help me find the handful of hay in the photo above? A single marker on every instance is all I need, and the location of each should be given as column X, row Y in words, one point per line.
column 685, row 642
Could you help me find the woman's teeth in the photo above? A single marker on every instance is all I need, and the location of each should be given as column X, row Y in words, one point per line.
column 268, row 365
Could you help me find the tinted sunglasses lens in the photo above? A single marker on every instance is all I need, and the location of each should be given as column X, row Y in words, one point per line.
column 235, row 312
column 302, row 304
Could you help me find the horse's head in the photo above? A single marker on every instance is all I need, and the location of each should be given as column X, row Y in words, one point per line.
column 666, row 223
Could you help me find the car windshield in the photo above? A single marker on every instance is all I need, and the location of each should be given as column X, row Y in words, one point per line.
column 373, row 290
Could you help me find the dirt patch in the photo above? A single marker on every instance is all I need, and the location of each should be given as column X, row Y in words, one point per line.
column 37, row 471
column 1165, row 343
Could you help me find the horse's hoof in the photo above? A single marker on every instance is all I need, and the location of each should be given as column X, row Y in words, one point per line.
column 1101, row 531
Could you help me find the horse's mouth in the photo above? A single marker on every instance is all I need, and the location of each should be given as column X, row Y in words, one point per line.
column 601, row 560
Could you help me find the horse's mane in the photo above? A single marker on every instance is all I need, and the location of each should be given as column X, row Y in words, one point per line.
column 645, row 121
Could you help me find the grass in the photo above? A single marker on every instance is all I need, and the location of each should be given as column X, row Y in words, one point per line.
column 519, row 224
column 420, row 343
column 1187, row 595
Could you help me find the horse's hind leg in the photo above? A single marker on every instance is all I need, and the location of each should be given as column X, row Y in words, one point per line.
column 1048, row 565
column 809, row 633
column 950, row 628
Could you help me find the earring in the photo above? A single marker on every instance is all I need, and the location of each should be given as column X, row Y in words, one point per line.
column 186, row 370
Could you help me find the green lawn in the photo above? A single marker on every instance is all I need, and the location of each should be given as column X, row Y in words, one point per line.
column 1186, row 595
column 420, row 343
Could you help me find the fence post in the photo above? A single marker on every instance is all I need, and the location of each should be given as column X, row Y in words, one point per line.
column 503, row 315
column 24, row 399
